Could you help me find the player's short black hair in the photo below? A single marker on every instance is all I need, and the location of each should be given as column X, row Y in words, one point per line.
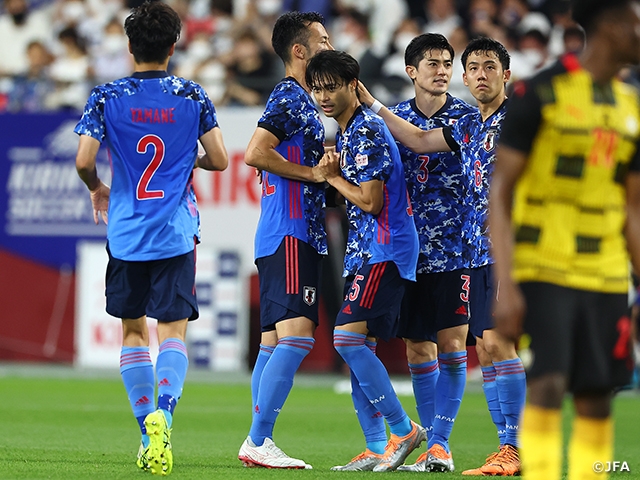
column 291, row 28
column 588, row 13
column 331, row 67
column 152, row 28
column 486, row 45
column 420, row 45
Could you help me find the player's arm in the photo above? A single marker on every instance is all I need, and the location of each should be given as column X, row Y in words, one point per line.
column 509, row 309
column 368, row 196
column 86, row 167
column 632, row 228
column 261, row 153
column 215, row 157
column 414, row 138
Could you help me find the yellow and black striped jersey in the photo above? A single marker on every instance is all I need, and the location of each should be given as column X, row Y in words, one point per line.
column 569, row 204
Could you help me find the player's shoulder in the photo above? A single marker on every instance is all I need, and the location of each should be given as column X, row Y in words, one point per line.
column 461, row 106
column 403, row 108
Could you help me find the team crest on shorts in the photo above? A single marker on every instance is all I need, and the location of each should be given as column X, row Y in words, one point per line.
column 309, row 295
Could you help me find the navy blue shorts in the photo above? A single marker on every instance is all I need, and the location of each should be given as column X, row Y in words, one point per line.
column 433, row 302
column 161, row 289
column 374, row 294
column 289, row 283
column 481, row 300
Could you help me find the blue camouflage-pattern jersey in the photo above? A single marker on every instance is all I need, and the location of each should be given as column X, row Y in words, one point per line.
column 369, row 152
column 478, row 141
column 437, row 188
column 290, row 207
column 151, row 123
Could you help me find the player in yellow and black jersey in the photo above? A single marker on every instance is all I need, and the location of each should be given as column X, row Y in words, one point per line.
column 564, row 217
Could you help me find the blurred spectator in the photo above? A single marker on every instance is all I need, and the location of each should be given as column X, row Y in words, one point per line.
column 350, row 34
column 111, row 58
column 573, row 39
column 442, row 17
column 324, row 7
column 249, row 69
column 384, row 16
column 77, row 14
column 459, row 40
column 70, row 72
column 561, row 20
column 483, row 15
column 30, row 91
column 397, row 84
column 531, row 56
column 19, row 26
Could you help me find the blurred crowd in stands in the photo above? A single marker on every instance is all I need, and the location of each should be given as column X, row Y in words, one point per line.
column 55, row 51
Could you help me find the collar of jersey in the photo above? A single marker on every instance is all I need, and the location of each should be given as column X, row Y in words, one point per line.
column 355, row 114
column 150, row 74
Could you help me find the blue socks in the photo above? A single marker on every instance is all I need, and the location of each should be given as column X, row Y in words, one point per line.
column 263, row 357
column 373, row 379
column 370, row 419
column 137, row 374
column 275, row 384
column 423, row 379
column 511, row 385
column 171, row 370
column 449, row 391
column 493, row 402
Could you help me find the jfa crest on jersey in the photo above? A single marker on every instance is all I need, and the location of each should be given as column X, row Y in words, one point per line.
column 289, row 207
column 156, row 119
column 436, row 185
column 368, row 152
column 478, row 140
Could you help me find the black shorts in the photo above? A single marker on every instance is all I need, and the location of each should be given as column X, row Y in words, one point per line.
column 434, row 302
column 374, row 295
column 289, row 283
column 581, row 334
column 161, row 289
column 481, row 300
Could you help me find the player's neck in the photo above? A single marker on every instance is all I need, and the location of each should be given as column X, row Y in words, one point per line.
column 150, row 66
column 488, row 109
column 347, row 113
column 595, row 62
column 297, row 71
column 429, row 104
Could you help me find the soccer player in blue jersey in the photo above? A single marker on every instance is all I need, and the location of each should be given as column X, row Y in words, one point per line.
column 486, row 71
column 436, row 307
column 290, row 239
column 151, row 123
column 381, row 253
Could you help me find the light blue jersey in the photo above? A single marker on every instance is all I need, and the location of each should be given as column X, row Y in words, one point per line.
column 151, row 122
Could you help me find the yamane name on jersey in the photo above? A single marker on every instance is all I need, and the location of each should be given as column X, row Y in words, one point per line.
column 438, row 191
column 151, row 122
column 290, row 207
column 369, row 152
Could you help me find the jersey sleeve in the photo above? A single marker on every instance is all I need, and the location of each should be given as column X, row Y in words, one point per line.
column 281, row 115
column 370, row 152
column 523, row 117
column 92, row 122
column 208, row 115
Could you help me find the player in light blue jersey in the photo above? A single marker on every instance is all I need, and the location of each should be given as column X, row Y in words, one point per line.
column 435, row 314
column 381, row 254
column 290, row 239
column 486, row 71
column 151, row 123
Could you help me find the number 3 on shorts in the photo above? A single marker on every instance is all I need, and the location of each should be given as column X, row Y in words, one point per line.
column 142, row 192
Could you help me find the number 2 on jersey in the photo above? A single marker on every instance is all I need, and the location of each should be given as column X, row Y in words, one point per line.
column 143, row 192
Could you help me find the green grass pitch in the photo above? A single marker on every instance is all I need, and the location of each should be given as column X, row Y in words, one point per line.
column 78, row 427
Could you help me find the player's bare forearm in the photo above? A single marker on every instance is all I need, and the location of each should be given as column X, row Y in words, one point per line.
column 86, row 161
column 215, row 157
column 632, row 227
